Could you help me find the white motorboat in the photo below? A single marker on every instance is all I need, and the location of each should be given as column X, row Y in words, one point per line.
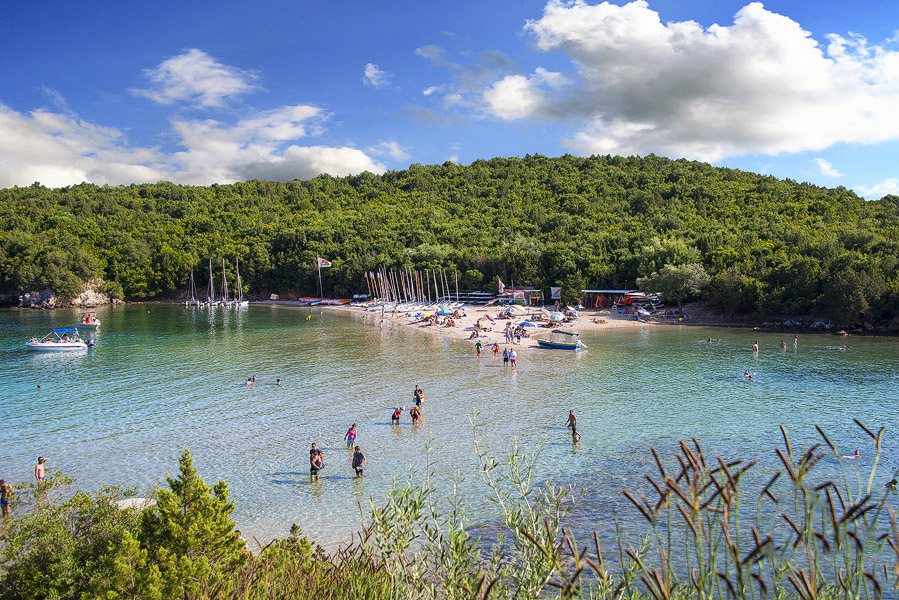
column 58, row 340
column 88, row 320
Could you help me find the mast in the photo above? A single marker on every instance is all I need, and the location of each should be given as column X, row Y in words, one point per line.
column 211, row 294
column 193, row 287
column 224, row 283
column 239, row 288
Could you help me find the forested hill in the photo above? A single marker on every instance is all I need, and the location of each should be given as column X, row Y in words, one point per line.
column 758, row 243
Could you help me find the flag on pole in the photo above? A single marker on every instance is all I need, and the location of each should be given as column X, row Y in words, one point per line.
column 502, row 286
column 323, row 263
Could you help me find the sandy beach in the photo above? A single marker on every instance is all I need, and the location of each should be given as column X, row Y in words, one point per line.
column 590, row 320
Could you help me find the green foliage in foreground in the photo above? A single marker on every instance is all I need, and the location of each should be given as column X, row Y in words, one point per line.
column 804, row 540
column 767, row 245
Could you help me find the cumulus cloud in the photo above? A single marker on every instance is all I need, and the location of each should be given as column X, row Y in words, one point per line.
column 887, row 186
column 826, row 168
column 391, row 149
column 59, row 149
column 196, row 78
column 759, row 85
column 375, row 77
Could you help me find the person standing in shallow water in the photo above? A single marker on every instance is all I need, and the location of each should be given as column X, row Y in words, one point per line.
column 572, row 420
column 316, row 462
column 350, row 436
column 39, row 472
column 358, row 461
column 5, row 493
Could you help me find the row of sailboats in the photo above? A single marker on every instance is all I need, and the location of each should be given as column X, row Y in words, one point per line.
column 225, row 299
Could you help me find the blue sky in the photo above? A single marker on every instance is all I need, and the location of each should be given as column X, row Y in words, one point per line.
column 205, row 92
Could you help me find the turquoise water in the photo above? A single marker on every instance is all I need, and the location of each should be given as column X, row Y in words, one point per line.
column 162, row 378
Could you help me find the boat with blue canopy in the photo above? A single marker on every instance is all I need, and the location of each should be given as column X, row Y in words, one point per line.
column 563, row 340
column 58, row 340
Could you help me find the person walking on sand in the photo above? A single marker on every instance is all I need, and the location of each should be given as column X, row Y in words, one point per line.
column 505, row 357
column 358, row 461
column 513, row 357
column 316, row 462
column 39, row 473
column 5, row 493
column 350, row 436
column 572, row 420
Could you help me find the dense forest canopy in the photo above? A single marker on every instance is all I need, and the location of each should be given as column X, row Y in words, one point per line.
column 760, row 244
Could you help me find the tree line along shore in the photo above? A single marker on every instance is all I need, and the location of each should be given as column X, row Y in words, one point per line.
column 747, row 244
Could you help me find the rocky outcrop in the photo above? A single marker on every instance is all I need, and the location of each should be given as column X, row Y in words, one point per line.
column 90, row 296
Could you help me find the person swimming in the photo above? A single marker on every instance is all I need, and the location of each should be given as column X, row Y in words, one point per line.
column 856, row 456
column 748, row 376
column 278, row 382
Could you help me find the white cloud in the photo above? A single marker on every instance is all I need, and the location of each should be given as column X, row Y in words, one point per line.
column 430, row 90
column 196, row 78
column 887, row 186
column 375, row 77
column 391, row 149
column 760, row 85
column 826, row 168
column 517, row 96
column 61, row 149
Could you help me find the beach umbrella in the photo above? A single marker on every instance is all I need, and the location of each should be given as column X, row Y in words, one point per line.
column 643, row 312
column 556, row 316
column 444, row 311
column 418, row 315
column 527, row 324
column 487, row 317
column 516, row 308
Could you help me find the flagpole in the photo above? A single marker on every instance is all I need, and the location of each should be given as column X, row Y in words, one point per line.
column 320, row 292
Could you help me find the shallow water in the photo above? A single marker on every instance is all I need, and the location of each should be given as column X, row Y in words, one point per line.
column 162, row 378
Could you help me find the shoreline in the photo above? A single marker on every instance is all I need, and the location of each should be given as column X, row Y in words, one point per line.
column 591, row 321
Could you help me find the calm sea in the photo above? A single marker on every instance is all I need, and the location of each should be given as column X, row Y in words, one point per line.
column 162, row 378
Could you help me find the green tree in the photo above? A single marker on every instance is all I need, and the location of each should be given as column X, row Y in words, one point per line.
column 53, row 548
column 187, row 544
column 676, row 282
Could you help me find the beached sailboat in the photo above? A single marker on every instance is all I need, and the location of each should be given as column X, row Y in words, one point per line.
column 58, row 340
column 563, row 340
column 239, row 302
column 88, row 320
column 210, row 294
column 192, row 301
column 225, row 301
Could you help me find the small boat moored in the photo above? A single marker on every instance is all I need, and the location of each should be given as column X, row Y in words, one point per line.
column 58, row 340
column 564, row 340
column 88, row 320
